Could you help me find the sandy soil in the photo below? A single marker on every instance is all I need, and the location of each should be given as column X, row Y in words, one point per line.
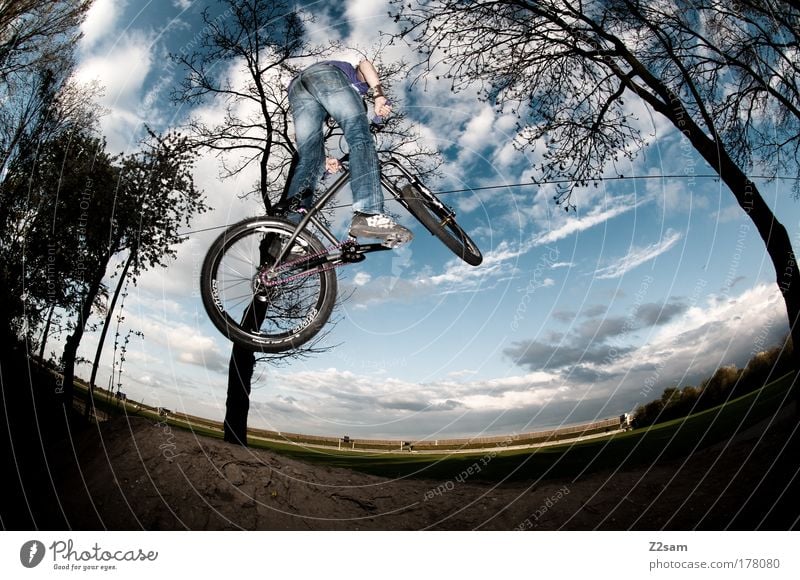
column 135, row 474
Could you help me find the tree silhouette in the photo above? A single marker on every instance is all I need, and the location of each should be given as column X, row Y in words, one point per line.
column 724, row 74
column 37, row 44
column 82, row 207
column 38, row 101
column 265, row 39
column 260, row 37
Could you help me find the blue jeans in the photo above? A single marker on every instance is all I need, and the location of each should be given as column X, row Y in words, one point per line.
column 319, row 91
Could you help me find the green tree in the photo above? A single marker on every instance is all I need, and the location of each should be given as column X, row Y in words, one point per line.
column 37, row 45
column 723, row 74
column 88, row 207
column 37, row 103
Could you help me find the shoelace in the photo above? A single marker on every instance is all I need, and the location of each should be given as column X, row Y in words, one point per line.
column 380, row 221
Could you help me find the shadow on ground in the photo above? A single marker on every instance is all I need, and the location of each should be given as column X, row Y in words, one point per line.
column 130, row 473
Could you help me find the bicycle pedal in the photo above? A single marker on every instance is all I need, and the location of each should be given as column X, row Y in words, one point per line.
column 396, row 242
column 351, row 253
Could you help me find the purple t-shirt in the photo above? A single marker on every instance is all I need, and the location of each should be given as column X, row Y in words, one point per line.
column 350, row 71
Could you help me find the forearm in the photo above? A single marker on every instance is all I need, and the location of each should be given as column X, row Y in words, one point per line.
column 370, row 74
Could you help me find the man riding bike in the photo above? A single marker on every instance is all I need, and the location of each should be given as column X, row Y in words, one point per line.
column 336, row 88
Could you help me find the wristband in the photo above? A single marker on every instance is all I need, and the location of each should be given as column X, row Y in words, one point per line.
column 377, row 91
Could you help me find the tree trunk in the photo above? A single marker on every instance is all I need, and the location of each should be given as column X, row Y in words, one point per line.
column 120, row 283
column 237, row 404
column 73, row 341
column 243, row 361
column 68, row 369
column 774, row 234
column 45, row 333
column 240, row 375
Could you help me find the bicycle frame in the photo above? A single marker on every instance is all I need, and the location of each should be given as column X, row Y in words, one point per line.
column 311, row 215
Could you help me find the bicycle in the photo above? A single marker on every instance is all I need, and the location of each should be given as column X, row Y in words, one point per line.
column 270, row 285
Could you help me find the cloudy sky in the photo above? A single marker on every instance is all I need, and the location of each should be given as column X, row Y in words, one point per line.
column 654, row 281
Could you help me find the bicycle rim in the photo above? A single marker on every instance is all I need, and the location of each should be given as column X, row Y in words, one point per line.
column 257, row 316
column 439, row 221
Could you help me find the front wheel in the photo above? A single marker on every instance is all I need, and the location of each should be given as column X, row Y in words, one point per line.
column 440, row 221
column 247, row 306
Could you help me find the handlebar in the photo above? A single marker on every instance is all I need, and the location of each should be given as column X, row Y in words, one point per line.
column 376, row 125
column 377, row 120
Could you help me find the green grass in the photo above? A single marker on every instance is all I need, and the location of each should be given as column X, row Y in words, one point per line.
column 671, row 439
column 675, row 438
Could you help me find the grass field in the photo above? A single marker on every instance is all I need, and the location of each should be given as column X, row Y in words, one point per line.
column 643, row 446
column 675, row 438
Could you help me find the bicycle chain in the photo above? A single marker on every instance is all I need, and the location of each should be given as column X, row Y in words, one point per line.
column 319, row 269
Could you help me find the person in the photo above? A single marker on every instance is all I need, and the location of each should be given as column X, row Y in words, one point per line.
column 337, row 88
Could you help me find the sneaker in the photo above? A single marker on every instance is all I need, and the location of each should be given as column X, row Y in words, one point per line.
column 379, row 226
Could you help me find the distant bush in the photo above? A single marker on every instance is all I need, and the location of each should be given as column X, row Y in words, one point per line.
column 726, row 383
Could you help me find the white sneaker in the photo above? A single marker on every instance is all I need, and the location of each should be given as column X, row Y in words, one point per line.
column 380, row 226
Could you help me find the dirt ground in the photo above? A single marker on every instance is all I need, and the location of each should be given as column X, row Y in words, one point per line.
column 135, row 474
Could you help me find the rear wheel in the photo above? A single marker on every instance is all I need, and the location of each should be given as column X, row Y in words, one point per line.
column 440, row 221
column 240, row 297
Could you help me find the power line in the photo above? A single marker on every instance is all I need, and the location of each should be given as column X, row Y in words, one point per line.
column 615, row 178
column 535, row 183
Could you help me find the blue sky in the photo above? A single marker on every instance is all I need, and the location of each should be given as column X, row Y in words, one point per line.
column 654, row 281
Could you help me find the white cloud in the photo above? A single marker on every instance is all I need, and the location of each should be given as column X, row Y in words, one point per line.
column 122, row 71
column 730, row 213
column 599, row 215
column 456, row 277
column 100, row 21
column 183, row 342
column 478, row 132
column 359, row 11
column 361, row 278
column 638, row 256
column 715, row 331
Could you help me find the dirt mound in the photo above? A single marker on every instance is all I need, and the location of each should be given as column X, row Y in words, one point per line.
column 135, row 474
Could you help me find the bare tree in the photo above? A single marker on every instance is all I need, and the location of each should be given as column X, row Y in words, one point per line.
column 259, row 38
column 265, row 40
column 724, row 74
column 37, row 43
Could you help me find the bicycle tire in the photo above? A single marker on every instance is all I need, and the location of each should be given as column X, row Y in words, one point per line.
column 252, row 315
column 439, row 221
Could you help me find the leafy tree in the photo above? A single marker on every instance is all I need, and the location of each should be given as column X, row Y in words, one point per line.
column 85, row 207
column 37, row 103
column 266, row 40
column 37, row 44
column 765, row 366
column 718, row 388
column 724, row 74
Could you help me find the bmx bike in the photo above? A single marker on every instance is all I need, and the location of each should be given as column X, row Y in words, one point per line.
column 270, row 285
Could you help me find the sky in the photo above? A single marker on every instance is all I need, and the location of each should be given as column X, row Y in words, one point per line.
column 654, row 281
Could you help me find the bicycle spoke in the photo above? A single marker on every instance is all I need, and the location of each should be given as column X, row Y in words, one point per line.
column 273, row 313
